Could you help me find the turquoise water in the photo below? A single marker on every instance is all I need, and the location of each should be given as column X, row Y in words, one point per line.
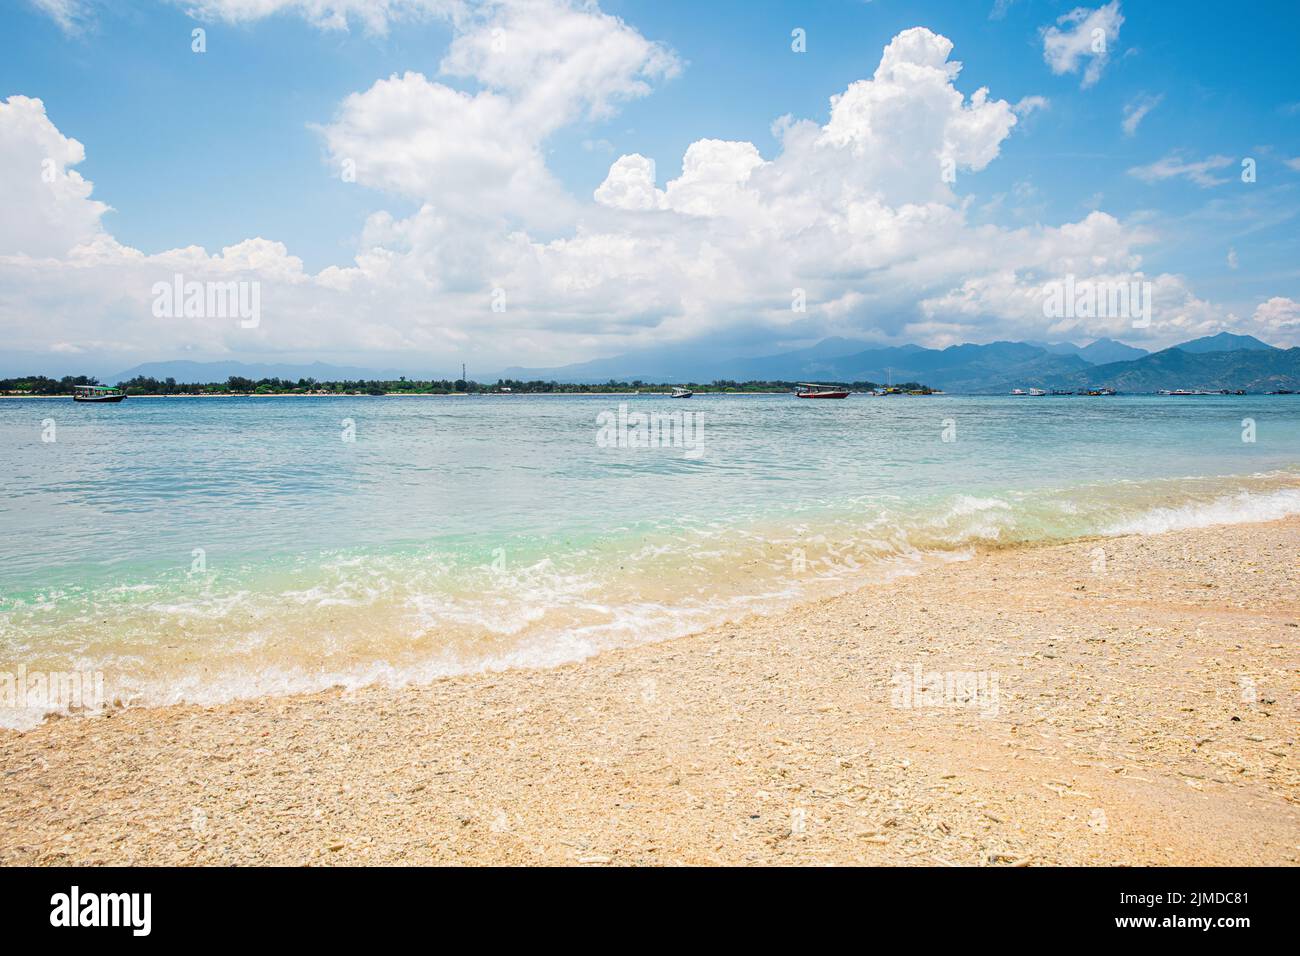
column 201, row 549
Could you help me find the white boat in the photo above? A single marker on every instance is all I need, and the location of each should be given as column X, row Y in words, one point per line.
column 1035, row 392
column 680, row 392
column 1019, row 392
column 98, row 394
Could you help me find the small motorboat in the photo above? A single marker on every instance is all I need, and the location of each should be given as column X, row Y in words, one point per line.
column 1036, row 393
column 813, row 390
column 98, row 394
column 680, row 392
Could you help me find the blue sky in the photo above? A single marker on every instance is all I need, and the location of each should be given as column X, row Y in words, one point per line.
column 218, row 148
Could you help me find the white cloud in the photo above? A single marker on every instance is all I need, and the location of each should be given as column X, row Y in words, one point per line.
column 47, row 203
column 541, row 65
column 855, row 210
column 70, row 15
column 1174, row 166
column 1083, row 35
column 1000, row 8
column 1028, row 104
column 1136, row 110
column 1293, row 163
column 374, row 15
column 1233, row 262
column 1278, row 320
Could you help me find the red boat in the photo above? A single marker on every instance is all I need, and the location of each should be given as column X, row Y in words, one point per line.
column 813, row 390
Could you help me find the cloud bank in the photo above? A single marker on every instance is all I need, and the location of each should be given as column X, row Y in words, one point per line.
column 854, row 216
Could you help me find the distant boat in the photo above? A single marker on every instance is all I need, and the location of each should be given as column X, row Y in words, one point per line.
column 1019, row 392
column 1282, row 391
column 813, row 390
column 1099, row 391
column 1058, row 391
column 98, row 394
column 680, row 392
column 1036, row 392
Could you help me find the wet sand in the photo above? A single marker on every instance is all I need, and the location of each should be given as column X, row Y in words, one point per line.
column 1119, row 701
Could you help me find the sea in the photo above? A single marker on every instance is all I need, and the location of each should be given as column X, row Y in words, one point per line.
column 201, row 550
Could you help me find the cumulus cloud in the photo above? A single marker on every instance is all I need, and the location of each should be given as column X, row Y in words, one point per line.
column 541, row 64
column 47, row 203
column 858, row 210
column 1281, row 317
column 1083, row 36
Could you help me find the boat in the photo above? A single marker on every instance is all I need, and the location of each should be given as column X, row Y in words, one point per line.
column 99, row 394
column 1036, row 392
column 680, row 392
column 1099, row 391
column 1058, row 391
column 813, row 390
column 1019, row 392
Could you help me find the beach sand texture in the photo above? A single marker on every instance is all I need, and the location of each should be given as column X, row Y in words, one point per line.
column 1145, row 713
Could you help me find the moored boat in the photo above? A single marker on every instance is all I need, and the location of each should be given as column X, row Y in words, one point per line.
column 680, row 392
column 97, row 394
column 813, row 390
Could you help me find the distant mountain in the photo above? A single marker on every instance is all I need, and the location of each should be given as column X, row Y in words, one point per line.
column 1220, row 361
column 1225, row 342
column 1095, row 353
column 206, row 372
column 692, row 363
column 1251, row 369
column 1108, row 350
column 992, row 367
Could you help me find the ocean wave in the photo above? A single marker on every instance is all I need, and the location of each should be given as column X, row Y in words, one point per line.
column 1240, row 508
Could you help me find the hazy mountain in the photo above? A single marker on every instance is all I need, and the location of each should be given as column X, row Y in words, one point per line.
column 956, row 368
column 205, row 372
column 1252, row 369
column 692, row 363
column 1225, row 342
column 1095, row 353
column 1221, row 361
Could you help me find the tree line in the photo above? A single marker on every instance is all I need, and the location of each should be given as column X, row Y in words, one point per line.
column 237, row 385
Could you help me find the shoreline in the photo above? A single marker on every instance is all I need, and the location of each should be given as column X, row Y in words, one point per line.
column 1105, row 720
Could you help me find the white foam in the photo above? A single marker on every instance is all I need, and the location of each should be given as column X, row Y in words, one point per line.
column 1240, row 508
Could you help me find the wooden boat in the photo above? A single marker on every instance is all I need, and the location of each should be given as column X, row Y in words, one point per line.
column 98, row 394
column 813, row 390
column 680, row 392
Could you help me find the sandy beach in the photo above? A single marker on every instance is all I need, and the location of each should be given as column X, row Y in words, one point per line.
column 1115, row 701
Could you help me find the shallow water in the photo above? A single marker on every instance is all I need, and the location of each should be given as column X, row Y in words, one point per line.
column 204, row 549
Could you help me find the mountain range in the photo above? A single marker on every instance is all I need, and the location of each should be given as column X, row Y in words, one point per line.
column 1226, row 360
column 1219, row 361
